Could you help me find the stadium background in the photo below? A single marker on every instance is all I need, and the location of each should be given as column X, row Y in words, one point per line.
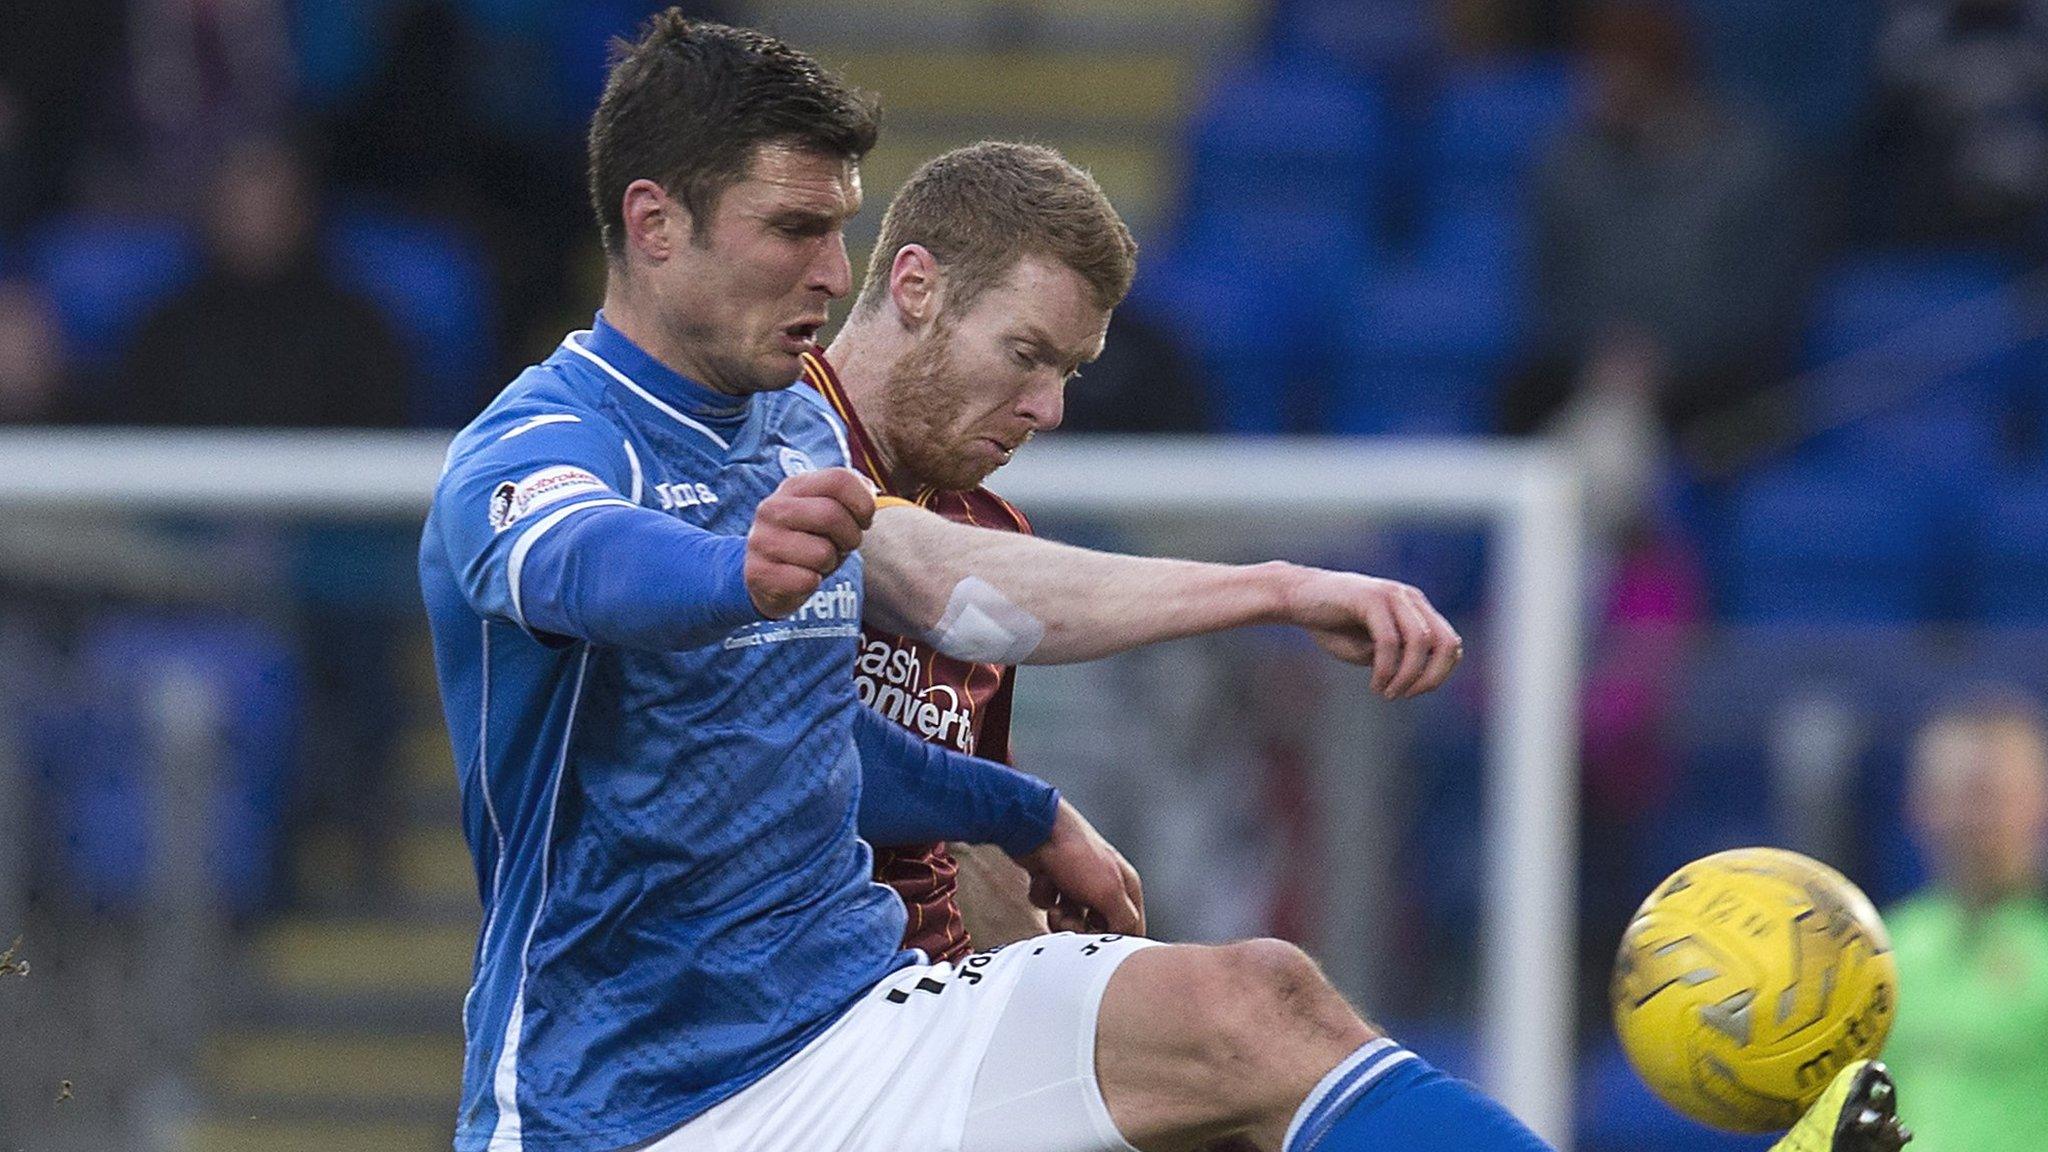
column 1355, row 218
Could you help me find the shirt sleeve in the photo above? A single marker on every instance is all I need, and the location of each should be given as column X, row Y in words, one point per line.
column 540, row 533
column 914, row 792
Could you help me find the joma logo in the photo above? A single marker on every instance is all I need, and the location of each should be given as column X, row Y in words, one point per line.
column 684, row 495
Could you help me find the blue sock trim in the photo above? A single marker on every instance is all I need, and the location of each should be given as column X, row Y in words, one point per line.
column 1313, row 1103
column 1401, row 1070
column 1338, row 1088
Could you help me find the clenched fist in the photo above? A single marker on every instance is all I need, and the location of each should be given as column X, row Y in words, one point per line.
column 802, row 533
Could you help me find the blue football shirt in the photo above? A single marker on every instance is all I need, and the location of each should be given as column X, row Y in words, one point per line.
column 661, row 802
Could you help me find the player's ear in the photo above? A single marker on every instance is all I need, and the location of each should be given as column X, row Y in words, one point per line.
column 914, row 285
column 654, row 220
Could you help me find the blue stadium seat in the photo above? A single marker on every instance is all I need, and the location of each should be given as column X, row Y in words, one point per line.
column 1290, row 140
column 1493, row 120
column 1426, row 344
column 1326, row 244
column 1440, row 313
column 1955, row 298
column 102, row 788
column 435, row 287
column 1915, row 356
column 2009, row 552
column 1252, row 327
column 104, row 275
column 1960, row 428
column 1815, row 544
column 1288, row 182
column 1389, row 398
column 1482, row 228
column 581, row 39
column 336, row 43
column 1367, row 36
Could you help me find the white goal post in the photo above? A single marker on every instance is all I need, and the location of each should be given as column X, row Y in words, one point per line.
column 1526, row 495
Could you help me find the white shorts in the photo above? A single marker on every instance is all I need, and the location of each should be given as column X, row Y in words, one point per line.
column 993, row 1054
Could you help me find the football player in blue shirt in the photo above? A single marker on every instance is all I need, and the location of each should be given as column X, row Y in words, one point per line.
column 644, row 573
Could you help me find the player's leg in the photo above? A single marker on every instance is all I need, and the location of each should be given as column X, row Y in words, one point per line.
column 1196, row 1042
column 1105, row 1043
column 1193, row 1043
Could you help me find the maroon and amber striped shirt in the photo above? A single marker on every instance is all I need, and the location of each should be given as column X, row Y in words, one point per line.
column 946, row 701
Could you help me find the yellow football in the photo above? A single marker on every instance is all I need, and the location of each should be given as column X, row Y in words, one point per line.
column 1746, row 981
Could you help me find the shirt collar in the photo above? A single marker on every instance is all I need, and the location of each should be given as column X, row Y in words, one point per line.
column 657, row 381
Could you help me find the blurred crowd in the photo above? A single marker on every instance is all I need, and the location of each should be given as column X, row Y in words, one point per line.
column 259, row 213
column 1634, row 201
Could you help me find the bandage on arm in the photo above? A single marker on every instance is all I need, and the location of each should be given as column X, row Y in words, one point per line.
column 1006, row 598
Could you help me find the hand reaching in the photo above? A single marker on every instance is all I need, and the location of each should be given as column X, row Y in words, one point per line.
column 1388, row 625
column 1083, row 883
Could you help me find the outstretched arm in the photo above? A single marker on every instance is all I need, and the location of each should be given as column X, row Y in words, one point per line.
column 1006, row 598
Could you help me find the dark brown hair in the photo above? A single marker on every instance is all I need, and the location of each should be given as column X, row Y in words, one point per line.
column 688, row 103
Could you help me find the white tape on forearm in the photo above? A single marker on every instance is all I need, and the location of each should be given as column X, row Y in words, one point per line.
column 982, row 625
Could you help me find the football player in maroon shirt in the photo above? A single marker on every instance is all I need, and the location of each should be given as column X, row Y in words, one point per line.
column 992, row 283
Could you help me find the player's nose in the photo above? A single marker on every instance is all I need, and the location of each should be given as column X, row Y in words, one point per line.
column 1045, row 405
column 832, row 271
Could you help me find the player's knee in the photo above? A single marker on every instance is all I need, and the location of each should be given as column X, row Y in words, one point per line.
column 1272, row 1008
column 1225, row 1037
column 1278, row 982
